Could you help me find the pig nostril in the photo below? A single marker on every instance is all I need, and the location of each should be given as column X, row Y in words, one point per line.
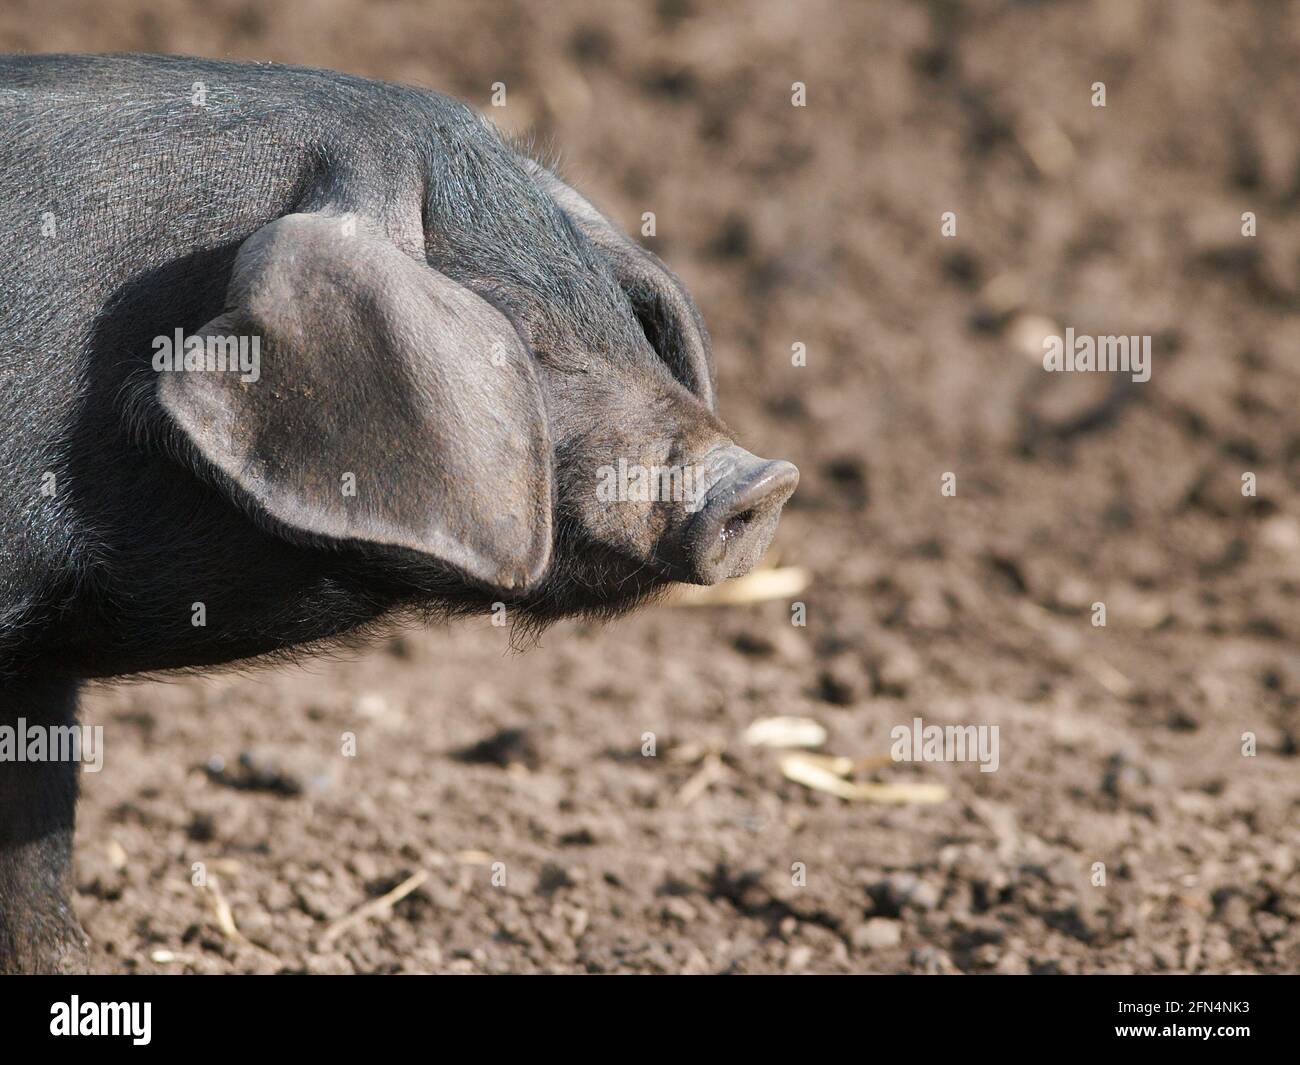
column 729, row 534
column 734, row 526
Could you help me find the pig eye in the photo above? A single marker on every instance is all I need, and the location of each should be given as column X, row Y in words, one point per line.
column 663, row 330
column 668, row 316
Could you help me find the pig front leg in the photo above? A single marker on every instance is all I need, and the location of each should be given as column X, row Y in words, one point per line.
column 39, row 932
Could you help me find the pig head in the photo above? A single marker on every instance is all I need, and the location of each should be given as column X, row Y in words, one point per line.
column 547, row 440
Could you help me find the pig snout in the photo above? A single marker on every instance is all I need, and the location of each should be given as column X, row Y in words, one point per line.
column 732, row 528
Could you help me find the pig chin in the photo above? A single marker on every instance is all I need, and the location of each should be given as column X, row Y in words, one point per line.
column 590, row 580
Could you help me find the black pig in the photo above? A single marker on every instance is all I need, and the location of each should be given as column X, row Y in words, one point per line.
column 286, row 352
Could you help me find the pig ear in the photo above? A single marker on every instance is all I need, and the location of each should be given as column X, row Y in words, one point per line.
column 671, row 321
column 392, row 406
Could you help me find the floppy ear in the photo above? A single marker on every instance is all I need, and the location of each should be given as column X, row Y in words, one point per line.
column 374, row 365
column 671, row 321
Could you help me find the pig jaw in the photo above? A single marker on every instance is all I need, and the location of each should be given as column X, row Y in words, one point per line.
column 644, row 526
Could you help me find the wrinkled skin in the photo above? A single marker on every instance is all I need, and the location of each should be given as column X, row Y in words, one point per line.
column 441, row 319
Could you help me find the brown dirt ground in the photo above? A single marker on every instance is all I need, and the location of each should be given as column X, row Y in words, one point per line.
column 1119, row 745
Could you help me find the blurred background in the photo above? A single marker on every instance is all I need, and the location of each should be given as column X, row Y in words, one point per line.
column 817, row 225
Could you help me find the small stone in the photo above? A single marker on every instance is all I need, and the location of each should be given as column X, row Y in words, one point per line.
column 879, row 933
column 372, row 705
column 931, row 961
column 678, row 909
column 1011, row 965
column 1027, row 332
column 906, row 889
